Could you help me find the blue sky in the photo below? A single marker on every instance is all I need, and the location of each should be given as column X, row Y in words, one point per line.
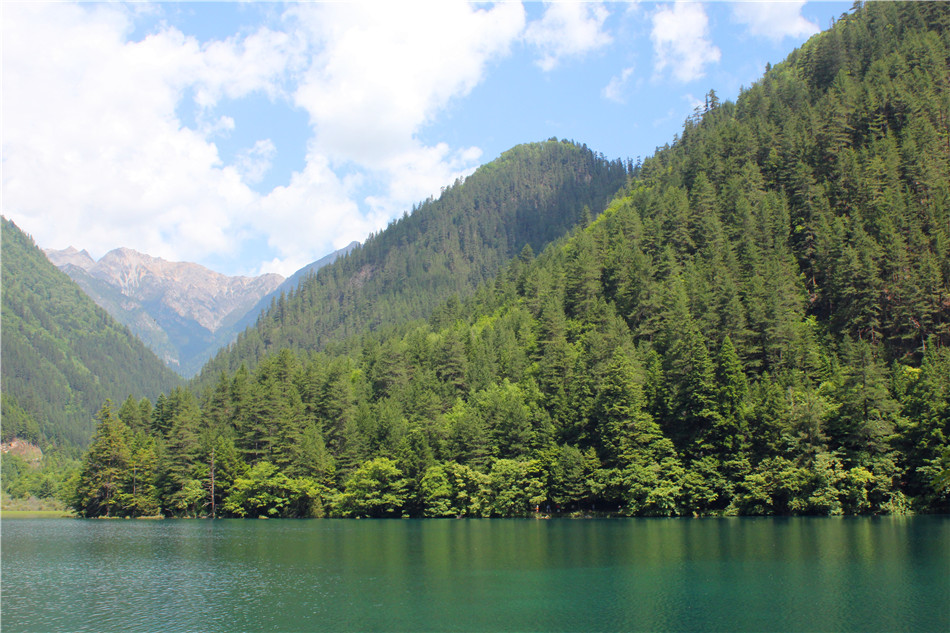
column 257, row 137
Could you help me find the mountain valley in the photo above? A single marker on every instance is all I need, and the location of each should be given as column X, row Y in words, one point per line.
column 751, row 321
column 182, row 311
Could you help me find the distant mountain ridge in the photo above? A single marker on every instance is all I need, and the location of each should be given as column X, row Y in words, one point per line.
column 181, row 310
column 289, row 285
column 190, row 290
column 294, row 280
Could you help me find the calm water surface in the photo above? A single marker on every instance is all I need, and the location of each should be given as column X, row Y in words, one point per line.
column 808, row 574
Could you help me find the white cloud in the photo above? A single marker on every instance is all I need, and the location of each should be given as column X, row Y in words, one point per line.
column 613, row 91
column 568, row 29
column 254, row 162
column 694, row 103
column 681, row 42
column 419, row 172
column 92, row 148
column 94, row 153
column 314, row 214
column 210, row 127
column 239, row 66
column 380, row 71
column 774, row 20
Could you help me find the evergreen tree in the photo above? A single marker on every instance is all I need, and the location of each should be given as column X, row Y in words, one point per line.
column 756, row 325
column 100, row 490
column 868, row 412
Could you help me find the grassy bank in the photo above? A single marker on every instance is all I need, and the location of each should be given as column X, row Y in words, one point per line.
column 36, row 514
column 32, row 508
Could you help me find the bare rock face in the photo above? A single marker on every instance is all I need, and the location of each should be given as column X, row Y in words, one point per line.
column 80, row 259
column 31, row 453
column 189, row 290
column 183, row 311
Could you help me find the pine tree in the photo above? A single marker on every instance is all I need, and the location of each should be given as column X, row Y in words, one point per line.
column 100, row 490
column 868, row 412
column 621, row 427
column 925, row 438
column 182, row 491
column 733, row 388
column 582, row 275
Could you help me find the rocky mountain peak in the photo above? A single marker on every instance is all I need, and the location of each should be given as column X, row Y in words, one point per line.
column 189, row 290
column 183, row 311
column 80, row 259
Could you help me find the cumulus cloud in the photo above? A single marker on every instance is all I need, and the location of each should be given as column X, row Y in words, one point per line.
column 774, row 20
column 380, row 71
column 95, row 155
column 254, row 162
column 681, row 42
column 92, row 148
column 613, row 91
column 316, row 209
column 419, row 172
column 568, row 29
column 239, row 66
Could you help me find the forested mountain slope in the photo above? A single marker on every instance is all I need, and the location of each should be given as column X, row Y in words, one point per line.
column 289, row 286
column 758, row 324
column 62, row 355
column 531, row 195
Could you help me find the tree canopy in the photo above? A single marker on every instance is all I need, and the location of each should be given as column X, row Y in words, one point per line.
column 757, row 324
column 63, row 356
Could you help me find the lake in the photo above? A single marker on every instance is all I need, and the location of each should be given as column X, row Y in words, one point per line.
column 742, row 574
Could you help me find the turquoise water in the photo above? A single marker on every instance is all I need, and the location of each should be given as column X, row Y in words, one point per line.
column 749, row 574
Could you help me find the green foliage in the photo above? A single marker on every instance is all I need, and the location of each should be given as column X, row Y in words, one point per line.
column 437, row 494
column 758, row 324
column 101, row 490
column 266, row 492
column 515, row 488
column 44, row 479
column 63, row 356
column 530, row 196
column 17, row 423
column 376, row 489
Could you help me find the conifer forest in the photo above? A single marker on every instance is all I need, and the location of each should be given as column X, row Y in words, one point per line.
column 755, row 320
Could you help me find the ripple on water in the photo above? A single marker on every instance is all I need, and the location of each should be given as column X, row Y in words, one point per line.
column 814, row 574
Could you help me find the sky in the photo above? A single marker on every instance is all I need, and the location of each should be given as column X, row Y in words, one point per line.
column 257, row 137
